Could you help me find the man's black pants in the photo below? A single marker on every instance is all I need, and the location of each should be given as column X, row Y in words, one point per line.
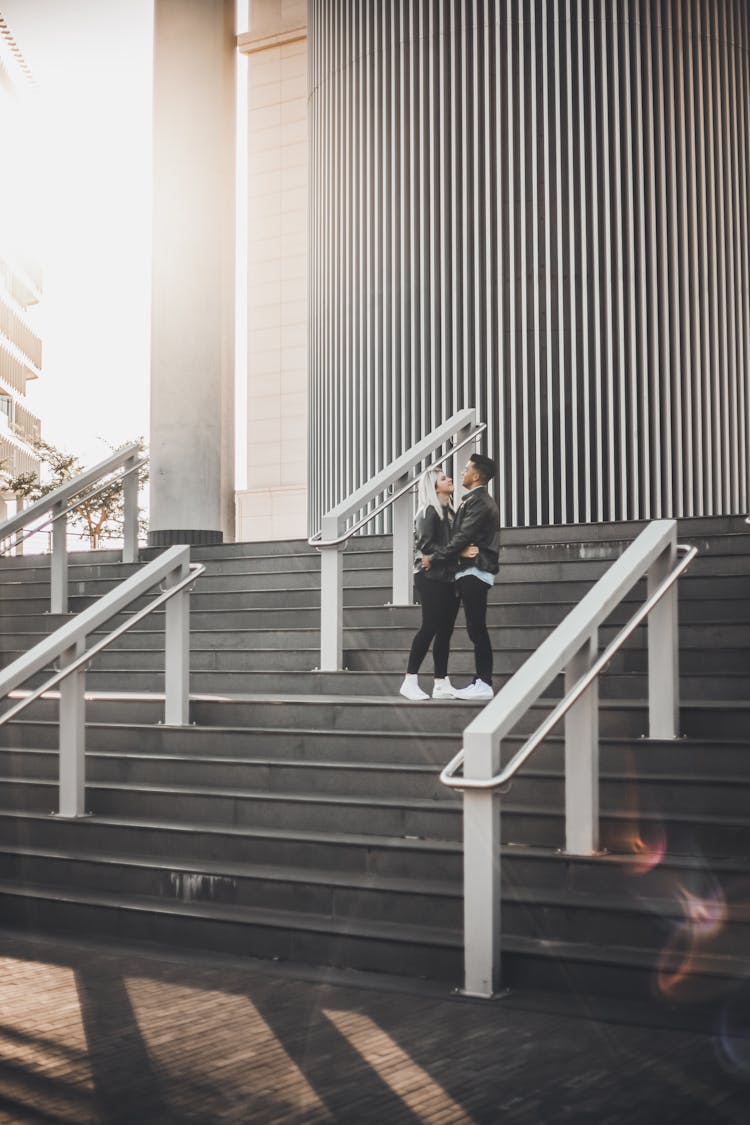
column 473, row 594
column 439, row 608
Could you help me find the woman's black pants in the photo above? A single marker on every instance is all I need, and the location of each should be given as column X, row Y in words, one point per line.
column 439, row 608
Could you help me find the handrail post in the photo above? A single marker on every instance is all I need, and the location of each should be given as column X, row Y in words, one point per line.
column 18, row 538
column 482, row 888
column 663, row 652
column 582, row 757
column 331, row 608
column 403, row 531
column 130, row 512
column 177, row 652
column 59, row 561
column 72, row 777
column 458, row 488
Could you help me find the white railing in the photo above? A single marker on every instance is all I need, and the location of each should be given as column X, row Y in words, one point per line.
column 56, row 506
column 400, row 476
column 67, row 645
column 571, row 648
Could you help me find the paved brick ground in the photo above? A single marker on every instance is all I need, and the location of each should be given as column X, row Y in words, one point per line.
column 97, row 1034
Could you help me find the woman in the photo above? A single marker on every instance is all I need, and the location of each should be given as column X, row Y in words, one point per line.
column 435, row 587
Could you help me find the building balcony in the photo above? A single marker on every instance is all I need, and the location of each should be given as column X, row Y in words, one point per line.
column 15, row 327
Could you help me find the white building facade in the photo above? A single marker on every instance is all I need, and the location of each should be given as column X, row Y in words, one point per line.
column 20, row 277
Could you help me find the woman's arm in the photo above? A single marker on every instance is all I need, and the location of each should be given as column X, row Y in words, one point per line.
column 428, row 531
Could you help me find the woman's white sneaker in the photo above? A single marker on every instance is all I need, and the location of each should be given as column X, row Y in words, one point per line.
column 410, row 689
column 443, row 689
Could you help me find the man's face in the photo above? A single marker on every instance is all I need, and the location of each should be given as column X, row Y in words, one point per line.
column 471, row 476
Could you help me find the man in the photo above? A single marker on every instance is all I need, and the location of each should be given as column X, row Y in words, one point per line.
column 477, row 522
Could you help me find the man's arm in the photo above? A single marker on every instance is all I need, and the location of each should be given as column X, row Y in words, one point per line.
column 467, row 553
column 461, row 539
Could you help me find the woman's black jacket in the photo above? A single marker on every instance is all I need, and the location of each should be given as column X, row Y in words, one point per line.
column 433, row 530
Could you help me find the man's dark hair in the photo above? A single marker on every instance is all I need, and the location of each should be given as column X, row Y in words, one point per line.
column 485, row 466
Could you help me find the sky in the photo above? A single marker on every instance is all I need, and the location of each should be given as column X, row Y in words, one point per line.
column 92, row 60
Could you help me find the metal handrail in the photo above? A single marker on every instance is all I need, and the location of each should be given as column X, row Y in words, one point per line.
column 69, row 488
column 571, row 647
column 316, row 541
column 196, row 569
column 28, row 532
column 506, row 775
column 57, row 506
column 175, row 572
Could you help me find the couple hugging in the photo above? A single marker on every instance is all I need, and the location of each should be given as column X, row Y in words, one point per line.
column 457, row 555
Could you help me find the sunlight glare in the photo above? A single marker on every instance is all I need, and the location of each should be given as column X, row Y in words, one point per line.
column 425, row 1097
column 175, row 1021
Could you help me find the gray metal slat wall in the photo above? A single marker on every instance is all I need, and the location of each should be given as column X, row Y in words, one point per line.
column 540, row 208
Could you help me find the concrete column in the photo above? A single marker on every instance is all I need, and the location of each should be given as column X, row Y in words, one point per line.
column 192, row 339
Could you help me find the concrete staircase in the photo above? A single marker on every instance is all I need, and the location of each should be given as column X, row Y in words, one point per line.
column 300, row 816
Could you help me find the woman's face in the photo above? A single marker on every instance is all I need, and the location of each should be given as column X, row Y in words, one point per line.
column 444, row 486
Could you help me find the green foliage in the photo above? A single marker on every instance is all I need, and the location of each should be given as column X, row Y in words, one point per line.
column 99, row 513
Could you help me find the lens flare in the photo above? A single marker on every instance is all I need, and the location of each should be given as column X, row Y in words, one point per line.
column 733, row 1039
column 675, row 963
column 704, row 916
column 647, row 854
column 703, row 919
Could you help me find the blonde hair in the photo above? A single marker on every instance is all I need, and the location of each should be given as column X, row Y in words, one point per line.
column 426, row 494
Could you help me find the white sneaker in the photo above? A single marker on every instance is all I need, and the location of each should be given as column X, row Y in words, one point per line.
column 410, row 689
column 478, row 690
column 443, row 689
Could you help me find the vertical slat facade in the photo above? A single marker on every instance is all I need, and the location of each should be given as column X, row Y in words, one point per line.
column 538, row 208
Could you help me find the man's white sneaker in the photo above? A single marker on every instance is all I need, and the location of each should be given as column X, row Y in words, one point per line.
column 478, row 690
column 410, row 689
column 443, row 689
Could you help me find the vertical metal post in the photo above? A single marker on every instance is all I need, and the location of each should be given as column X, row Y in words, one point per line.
column 482, row 886
column 582, row 758
column 130, row 513
column 72, row 767
column 59, row 562
column 663, row 657
column 18, row 539
column 403, row 537
column 331, row 608
column 459, row 460
column 177, row 653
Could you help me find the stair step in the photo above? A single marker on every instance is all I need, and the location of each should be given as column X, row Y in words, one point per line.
column 374, row 943
column 512, row 638
column 335, row 894
column 624, row 718
column 428, row 860
column 420, row 817
column 577, row 967
column 678, row 790
column 565, row 912
column 527, row 821
column 379, row 684
column 724, row 665
column 292, row 610
column 304, row 938
column 696, row 757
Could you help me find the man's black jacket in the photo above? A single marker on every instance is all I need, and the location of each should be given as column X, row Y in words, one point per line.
column 477, row 521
